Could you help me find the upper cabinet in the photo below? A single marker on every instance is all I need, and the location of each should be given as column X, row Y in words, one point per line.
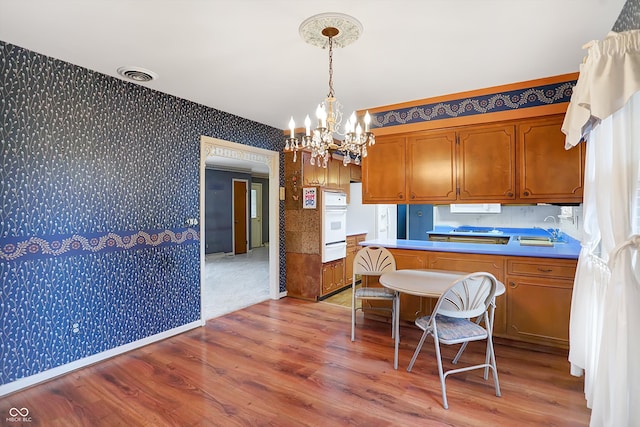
column 431, row 166
column 486, row 159
column 383, row 171
column 548, row 172
column 520, row 161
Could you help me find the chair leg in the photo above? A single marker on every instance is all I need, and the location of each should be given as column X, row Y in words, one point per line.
column 442, row 384
column 493, row 364
column 353, row 317
column 418, row 348
column 459, row 353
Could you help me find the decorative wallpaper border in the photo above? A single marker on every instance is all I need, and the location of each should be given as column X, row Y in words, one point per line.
column 505, row 101
column 12, row 249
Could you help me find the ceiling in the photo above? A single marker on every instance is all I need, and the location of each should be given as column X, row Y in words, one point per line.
column 247, row 58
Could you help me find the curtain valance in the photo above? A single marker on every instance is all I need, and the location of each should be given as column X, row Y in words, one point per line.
column 609, row 76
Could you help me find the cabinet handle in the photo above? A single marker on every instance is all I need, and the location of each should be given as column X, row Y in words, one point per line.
column 545, row 270
column 526, row 193
column 413, row 195
column 509, row 194
column 513, row 285
column 400, row 196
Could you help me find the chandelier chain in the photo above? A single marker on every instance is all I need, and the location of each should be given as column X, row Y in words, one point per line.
column 331, row 93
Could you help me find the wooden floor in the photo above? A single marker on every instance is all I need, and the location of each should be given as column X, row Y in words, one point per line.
column 292, row 363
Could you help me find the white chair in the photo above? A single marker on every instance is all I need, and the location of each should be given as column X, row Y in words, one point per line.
column 469, row 297
column 372, row 261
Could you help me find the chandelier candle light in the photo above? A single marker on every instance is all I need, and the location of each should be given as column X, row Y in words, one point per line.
column 324, row 30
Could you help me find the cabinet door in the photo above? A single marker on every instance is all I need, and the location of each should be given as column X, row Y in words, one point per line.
column 486, row 163
column 327, row 278
column 538, row 310
column 470, row 263
column 333, row 173
column 338, row 273
column 548, row 172
column 383, row 171
column 355, row 173
column 348, row 262
column 431, row 167
column 312, row 174
column 332, row 276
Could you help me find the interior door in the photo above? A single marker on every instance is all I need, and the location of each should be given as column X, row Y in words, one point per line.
column 240, row 216
column 256, row 215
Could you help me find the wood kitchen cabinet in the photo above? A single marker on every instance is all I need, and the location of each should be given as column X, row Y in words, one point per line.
column 486, row 164
column 355, row 173
column 431, row 166
column 383, row 171
column 520, row 161
column 539, row 300
column 353, row 246
column 470, row 263
column 535, row 307
column 468, row 164
column 548, row 172
column 332, row 276
column 312, row 175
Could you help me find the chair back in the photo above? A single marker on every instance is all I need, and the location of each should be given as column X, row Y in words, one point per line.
column 373, row 261
column 468, row 297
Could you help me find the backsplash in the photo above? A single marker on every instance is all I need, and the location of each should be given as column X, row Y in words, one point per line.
column 515, row 217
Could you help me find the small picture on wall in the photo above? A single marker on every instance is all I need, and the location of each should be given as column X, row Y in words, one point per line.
column 309, row 197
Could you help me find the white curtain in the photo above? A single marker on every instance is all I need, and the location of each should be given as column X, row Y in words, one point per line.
column 605, row 311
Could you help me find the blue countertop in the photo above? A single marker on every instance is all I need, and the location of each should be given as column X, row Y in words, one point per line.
column 567, row 247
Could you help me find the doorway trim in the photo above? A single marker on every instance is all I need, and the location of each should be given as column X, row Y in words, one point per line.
column 213, row 146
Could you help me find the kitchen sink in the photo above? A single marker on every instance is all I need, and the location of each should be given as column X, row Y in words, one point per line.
column 535, row 241
column 487, row 240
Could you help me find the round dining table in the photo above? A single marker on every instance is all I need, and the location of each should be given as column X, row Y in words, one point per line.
column 423, row 283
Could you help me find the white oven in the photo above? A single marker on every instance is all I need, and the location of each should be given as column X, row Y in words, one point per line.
column 334, row 225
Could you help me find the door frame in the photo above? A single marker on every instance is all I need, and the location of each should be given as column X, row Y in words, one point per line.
column 252, row 229
column 247, row 229
column 219, row 147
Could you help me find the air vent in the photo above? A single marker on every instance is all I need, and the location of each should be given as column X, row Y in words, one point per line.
column 137, row 74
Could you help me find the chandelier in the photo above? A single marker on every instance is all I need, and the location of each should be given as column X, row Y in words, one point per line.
column 330, row 136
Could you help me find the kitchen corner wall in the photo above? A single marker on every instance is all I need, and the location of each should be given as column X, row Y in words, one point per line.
column 99, row 177
column 514, row 216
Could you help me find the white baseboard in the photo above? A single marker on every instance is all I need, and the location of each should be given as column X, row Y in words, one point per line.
column 22, row 383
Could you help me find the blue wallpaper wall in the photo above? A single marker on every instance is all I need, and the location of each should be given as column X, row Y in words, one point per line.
column 629, row 18
column 97, row 179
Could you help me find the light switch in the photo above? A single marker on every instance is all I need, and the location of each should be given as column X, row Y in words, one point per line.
column 281, row 193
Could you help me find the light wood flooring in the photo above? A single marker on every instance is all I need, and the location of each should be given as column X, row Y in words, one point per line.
column 292, row 363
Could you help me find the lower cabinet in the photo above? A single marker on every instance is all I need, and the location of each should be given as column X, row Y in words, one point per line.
column 332, row 276
column 539, row 299
column 535, row 307
column 353, row 246
column 470, row 263
column 309, row 278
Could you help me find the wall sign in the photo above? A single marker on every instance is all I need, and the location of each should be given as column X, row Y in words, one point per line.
column 309, row 198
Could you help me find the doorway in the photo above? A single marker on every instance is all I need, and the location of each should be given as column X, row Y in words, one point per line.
column 240, row 217
column 234, row 153
column 256, row 215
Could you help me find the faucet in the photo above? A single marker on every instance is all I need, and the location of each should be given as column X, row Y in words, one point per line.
column 553, row 232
